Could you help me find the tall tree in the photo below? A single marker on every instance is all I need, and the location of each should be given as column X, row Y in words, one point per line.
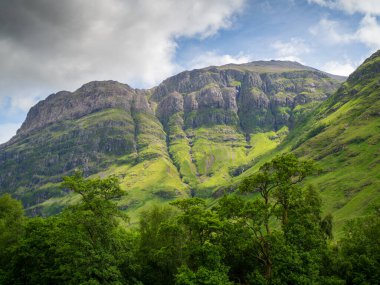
column 203, row 261
column 360, row 251
column 285, row 220
column 160, row 246
column 12, row 222
column 82, row 245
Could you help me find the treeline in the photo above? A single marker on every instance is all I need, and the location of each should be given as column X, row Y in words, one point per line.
column 278, row 238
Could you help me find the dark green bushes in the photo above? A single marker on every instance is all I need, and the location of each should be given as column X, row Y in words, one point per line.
column 278, row 238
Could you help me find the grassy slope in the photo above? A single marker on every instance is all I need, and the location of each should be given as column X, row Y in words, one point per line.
column 209, row 157
column 50, row 149
column 342, row 135
column 148, row 173
column 152, row 177
column 344, row 138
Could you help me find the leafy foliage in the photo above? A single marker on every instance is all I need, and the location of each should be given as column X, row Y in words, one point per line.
column 280, row 237
column 84, row 244
column 360, row 251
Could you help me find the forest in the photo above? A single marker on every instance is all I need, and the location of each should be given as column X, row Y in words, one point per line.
column 271, row 231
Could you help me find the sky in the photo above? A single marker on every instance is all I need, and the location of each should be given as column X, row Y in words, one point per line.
column 52, row 45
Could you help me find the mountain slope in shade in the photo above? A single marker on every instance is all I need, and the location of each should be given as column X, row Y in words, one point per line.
column 100, row 125
column 191, row 135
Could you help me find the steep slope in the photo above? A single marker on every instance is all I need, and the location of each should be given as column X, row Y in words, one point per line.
column 343, row 136
column 100, row 125
column 218, row 120
column 188, row 136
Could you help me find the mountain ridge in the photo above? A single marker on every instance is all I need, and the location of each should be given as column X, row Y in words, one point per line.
column 285, row 66
column 192, row 135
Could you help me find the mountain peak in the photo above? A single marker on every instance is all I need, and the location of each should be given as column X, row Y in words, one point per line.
column 268, row 66
column 107, row 122
column 276, row 66
column 90, row 97
column 368, row 69
column 103, row 85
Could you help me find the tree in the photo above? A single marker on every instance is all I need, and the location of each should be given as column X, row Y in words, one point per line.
column 285, row 220
column 94, row 242
column 360, row 251
column 203, row 251
column 82, row 245
column 12, row 222
column 160, row 245
column 236, row 238
column 95, row 189
column 33, row 261
column 279, row 180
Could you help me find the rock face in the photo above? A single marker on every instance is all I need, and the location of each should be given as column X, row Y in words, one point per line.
column 91, row 97
column 230, row 92
column 156, row 139
column 170, row 105
column 244, row 97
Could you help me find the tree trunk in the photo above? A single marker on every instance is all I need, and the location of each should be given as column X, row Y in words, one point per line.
column 268, row 270
column 285, row 218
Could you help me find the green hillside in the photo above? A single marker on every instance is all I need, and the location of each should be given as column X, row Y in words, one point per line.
column 343, row 135
column 201, row 132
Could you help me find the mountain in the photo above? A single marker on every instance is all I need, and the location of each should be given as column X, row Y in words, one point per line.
column 196, row 134
column 343, row 135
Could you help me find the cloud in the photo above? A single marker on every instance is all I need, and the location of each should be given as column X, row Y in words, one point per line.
column 7, row 131
column 46, row 46
column 339, row 68
column 291, row 50
column 331, row 31
column 213, row 58
column 368, row 32
column 371, row 7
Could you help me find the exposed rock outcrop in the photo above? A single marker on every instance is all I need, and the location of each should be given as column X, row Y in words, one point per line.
column 91, row 97
column 106, row 123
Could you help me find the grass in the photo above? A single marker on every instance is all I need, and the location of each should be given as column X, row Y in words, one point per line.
column 208, row 156
column 348, row 150
column 206, row 152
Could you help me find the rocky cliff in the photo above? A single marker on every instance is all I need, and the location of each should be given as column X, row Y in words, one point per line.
column 90, row 98
column 189, row 135
column 252, row 100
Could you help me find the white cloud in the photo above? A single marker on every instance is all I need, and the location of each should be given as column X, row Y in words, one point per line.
column 339, row 68
column 54, row 45
column 351, row 6
column 7, row 131
column 22, row 103
column 331, row 32
column 213, row 58
column 291, row 50
column 367, row 33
